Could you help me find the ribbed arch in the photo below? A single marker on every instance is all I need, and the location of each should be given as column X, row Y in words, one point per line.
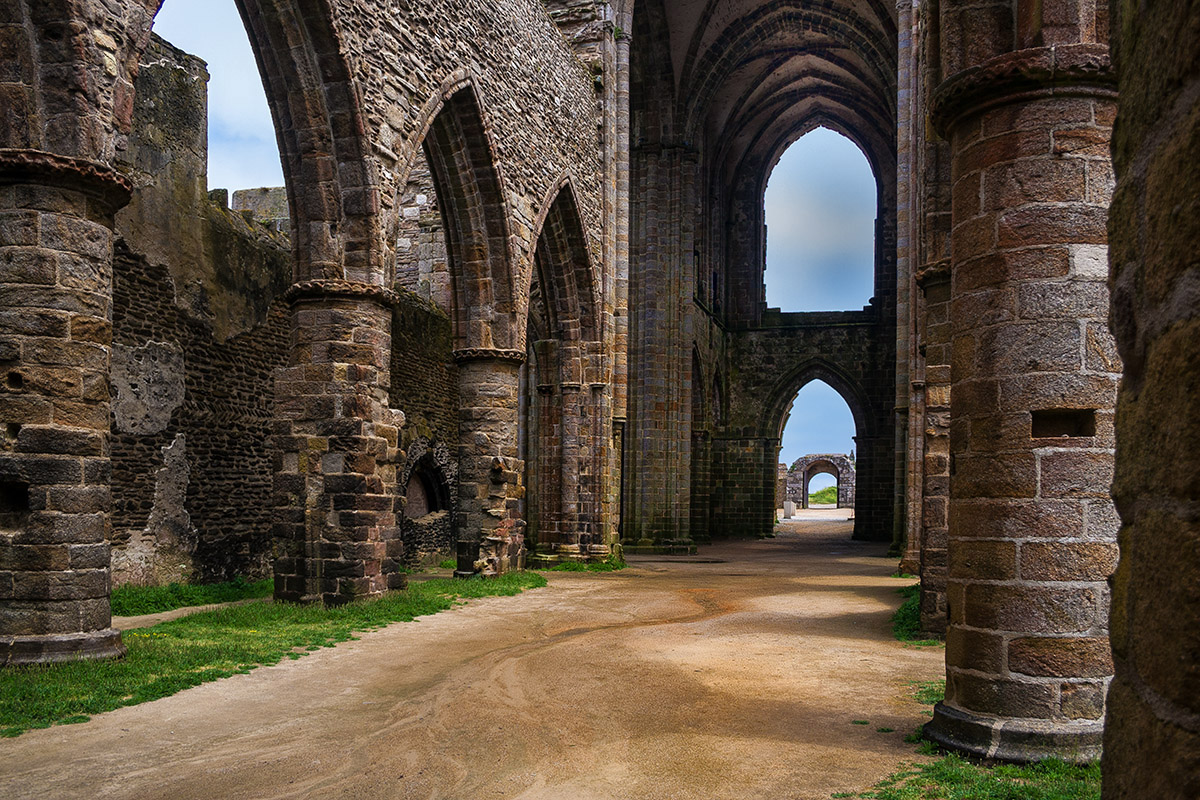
column 778, row 402
column 332, row 189
column 471, row 201
column 564, row 269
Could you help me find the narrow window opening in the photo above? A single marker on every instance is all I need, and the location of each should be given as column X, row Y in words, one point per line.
column 15, row 381
column 1056, row 423
column 14, row 503
column 820, row 207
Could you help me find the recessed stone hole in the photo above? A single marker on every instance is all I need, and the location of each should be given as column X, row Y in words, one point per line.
column 15, row 380
column 14, row 503
column 12, row 430
column 1055, row 423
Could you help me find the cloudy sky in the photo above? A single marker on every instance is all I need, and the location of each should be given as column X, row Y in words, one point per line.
column 820, row 201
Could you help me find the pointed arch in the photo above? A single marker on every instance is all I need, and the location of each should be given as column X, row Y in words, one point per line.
column 332, row 185
column 470, row 194
column 779, row 400
column 563, row 267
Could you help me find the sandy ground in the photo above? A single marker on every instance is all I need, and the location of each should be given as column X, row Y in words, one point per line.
column 737, row 673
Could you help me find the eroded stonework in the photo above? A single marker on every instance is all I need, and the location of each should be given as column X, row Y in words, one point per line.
column 529, row 238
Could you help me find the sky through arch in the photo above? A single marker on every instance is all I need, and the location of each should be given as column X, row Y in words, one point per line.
column 820, row 422
column 242, row 149
column 820, row 205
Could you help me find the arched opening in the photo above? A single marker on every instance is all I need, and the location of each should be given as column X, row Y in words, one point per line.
column 820, row 206
column 559, row 418
column 817, row 444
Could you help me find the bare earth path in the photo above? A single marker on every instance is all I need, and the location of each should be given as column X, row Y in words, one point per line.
column 734, row 674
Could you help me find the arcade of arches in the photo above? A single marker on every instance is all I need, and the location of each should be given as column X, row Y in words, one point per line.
column 521, row 270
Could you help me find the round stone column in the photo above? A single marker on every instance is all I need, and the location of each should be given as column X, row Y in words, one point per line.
column 336, row 444
column 490, row 528
column 1034, row 372
column 56, row 216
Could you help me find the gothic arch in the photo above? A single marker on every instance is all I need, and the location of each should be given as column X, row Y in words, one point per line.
column 779, row 400
column 471, row 201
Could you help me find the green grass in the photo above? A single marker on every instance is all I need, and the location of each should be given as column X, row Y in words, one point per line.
column 930, row 692
column 131, row 601
column 447, row 563
column 211, row 645
column 825, row 496
column 906, row 622
column 954, row 778
column 612, row 563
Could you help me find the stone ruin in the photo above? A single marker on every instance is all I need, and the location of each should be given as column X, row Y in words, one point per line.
column 803, row 469
column 544, row 262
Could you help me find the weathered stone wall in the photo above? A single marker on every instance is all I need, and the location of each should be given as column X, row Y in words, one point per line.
column 1152, row 735
column 425, row 385
column 196, row 337
column 768, row 366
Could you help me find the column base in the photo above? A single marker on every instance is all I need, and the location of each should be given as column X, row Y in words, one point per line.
column 1016, row 740
column 58, row 647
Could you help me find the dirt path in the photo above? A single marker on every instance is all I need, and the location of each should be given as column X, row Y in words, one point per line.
column 734, row 674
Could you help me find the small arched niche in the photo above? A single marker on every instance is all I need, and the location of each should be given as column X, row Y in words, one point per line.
column 820, row 206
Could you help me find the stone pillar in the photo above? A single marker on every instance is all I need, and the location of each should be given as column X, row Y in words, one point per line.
column 337, row 447
column 1034, row 375
column 489, row 466
column 56, row 217
column 1152, row 735
column 934, row 281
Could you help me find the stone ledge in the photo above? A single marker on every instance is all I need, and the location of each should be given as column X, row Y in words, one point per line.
column 59, row 647
column 1016, row 740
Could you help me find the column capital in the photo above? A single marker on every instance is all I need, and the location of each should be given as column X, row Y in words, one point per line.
column 1068, row 69
column 97, row 180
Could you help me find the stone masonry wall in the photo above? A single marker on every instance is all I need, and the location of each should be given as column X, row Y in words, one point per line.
column 196, row 338
column 1152, row 735
column 768, row 366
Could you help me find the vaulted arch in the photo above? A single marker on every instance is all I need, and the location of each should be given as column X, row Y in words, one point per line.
column 471, row 201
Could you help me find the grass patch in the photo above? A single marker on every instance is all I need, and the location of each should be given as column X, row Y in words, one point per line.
column 447, row 563
column 860, row 722
column 954, row 778
column 826, row 496
column 132, row 601
column 211, row 645
column 612, row 563
column 906, row 622
column 930, row 692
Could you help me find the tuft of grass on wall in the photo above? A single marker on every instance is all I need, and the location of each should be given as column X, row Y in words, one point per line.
column 211, row 645
column 131, row 601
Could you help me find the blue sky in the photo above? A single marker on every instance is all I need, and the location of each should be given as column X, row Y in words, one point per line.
column 820, row 201
column 820, row 206
column 242, row 152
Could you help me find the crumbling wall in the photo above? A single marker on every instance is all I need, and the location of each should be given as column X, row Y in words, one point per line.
column 196, row 337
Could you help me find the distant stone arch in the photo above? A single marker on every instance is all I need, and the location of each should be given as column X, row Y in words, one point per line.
column 805, row 468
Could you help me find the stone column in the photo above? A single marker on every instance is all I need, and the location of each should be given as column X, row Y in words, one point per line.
column 1034, row 375
column 934, row 282
column 1152, row 735
column 336, row 444
column 489, row 466
column 56, row 216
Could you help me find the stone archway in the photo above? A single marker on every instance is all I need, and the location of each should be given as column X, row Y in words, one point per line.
column 805, row 468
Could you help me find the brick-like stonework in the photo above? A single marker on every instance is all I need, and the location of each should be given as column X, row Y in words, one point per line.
column 803, row 469
column 1152, row 739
